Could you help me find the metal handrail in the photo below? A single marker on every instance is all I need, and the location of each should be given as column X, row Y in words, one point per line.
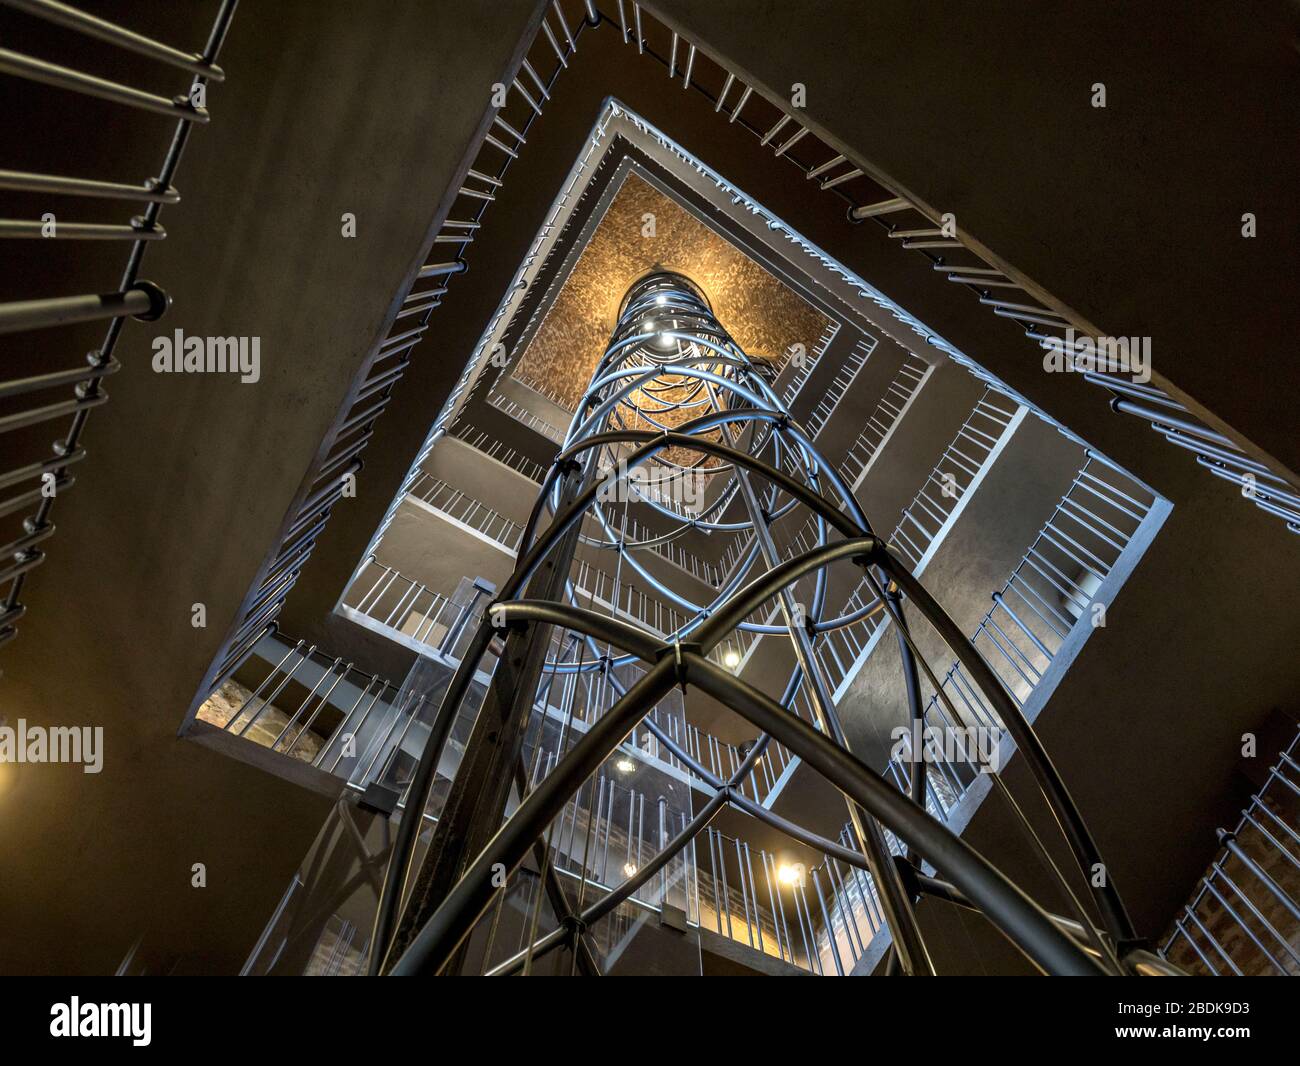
column 1244, row 916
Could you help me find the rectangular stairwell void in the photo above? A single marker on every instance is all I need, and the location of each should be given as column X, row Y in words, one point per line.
column 976, row 492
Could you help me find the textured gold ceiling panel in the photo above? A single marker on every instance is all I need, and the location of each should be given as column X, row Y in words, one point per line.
column 760, row 312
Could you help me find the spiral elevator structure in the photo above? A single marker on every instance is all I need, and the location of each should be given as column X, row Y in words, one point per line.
column 675, row 402
column 667, row 744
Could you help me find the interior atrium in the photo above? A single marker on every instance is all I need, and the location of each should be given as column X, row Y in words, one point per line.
column 670, row 488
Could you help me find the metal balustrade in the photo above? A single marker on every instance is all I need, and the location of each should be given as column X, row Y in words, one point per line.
column 840, row 649
column 502, row 453
column 961, row 464
column 1215, row 452
column 1047, row 595
column 848, row 899
column 760, row 910
column 1054, row 586
column 134, row 296
column 466, row 510
column 1050, row 592
column 710, row 573
column 440, row 624
column 410, row 608
column 519, row 413
column 1244, row 916
column 610, row 830
column 958, row 468
column 594, row 588
column 340, row 700
column 899, row 393
column 845, row 375
column 821, row 919
column 808, row 363
column 721, row 758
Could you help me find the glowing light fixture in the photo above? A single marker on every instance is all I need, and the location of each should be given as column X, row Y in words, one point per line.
column 629, row 869
column 625, row 765
column 731, row 659
column 789, row 875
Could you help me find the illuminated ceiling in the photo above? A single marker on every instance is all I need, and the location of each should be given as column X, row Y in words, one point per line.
column 764, row 316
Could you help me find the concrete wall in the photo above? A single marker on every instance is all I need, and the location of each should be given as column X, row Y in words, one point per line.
column 1200, row 644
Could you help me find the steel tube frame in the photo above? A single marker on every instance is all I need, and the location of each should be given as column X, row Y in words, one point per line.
column 656, row 308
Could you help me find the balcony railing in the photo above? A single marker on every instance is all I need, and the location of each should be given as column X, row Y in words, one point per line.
column 765, row 912
column 1050, row 592
column 466, row 510
column 835, row 391
column 410, row 608
column 1244, row 918
column 520, row 413
column 963, row 462
column 809, row 362
column 906, row 384
column 502, row 453
column 958, row 468
column 1215, row 452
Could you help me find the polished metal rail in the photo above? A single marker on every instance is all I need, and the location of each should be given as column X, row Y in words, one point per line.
column 529, row 418
column 1213, row 451
column 808, row 363
column 300, row 703
column 466, row 510
column 835, row 391
column 1047, row 596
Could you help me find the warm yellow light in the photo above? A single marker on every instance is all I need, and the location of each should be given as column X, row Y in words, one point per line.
column 629, row 869
column 731, row 659
column 625, row 765
column 788, row 875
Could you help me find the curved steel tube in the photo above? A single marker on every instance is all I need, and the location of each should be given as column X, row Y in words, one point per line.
column 634, row 381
